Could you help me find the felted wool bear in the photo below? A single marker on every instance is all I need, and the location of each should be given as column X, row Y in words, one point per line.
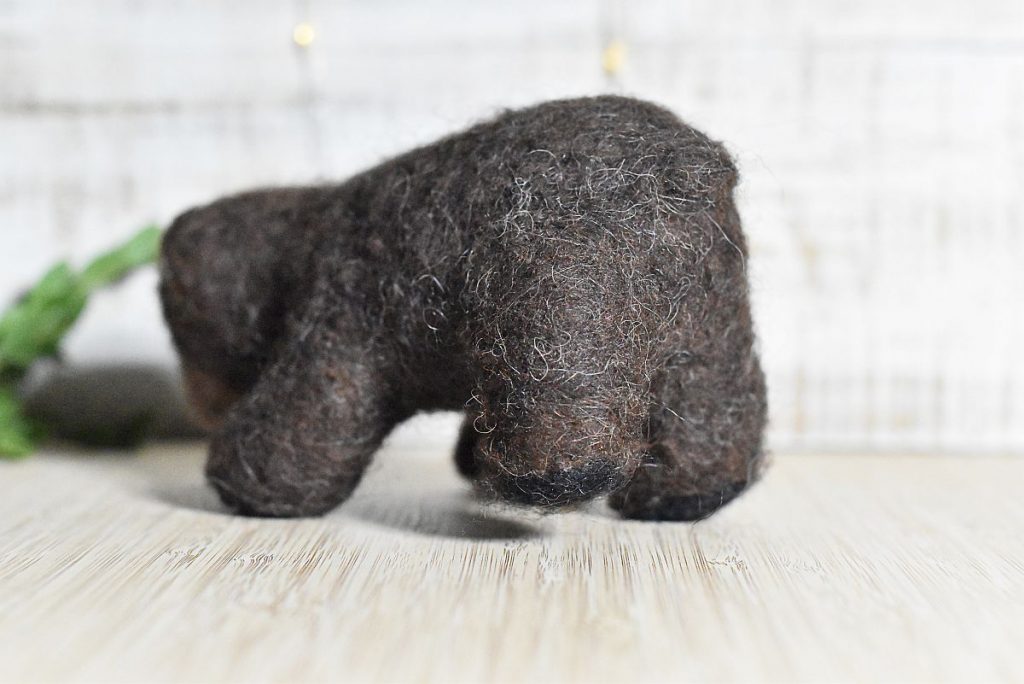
column 571, row 275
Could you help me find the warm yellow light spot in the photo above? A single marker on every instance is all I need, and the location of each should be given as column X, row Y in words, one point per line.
column 303, row 35
column 613, row 57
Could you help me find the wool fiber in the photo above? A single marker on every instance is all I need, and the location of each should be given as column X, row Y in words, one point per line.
column 571, row 276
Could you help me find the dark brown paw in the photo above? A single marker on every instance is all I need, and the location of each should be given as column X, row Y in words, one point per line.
column 555, row 488
column 670, row 507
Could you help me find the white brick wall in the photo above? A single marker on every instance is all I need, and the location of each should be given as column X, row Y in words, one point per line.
column 881, row 143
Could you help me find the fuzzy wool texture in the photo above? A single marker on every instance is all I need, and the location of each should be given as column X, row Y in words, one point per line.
column 571, row 275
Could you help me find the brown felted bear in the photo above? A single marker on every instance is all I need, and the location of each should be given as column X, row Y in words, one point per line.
column 572, row 276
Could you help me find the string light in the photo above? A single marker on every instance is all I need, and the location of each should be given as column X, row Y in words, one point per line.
column 613, row 57
column 303, row 35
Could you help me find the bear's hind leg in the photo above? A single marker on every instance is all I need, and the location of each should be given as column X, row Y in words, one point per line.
column 706, row 429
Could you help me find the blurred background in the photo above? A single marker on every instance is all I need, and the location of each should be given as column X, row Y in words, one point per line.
column 880, row 143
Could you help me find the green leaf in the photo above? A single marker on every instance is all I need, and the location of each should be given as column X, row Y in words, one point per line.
column 33, row 327
column 18, row 435
column 112, row 266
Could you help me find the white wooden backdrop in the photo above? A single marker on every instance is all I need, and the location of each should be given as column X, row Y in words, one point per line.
column 881, row 144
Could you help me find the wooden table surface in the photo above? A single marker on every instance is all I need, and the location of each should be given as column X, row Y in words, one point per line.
column 878, row 568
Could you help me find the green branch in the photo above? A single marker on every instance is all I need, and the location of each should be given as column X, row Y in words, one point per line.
column 33, row 327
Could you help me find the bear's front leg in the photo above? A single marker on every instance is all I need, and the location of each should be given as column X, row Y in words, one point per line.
column 298, row 443
column 706, row 429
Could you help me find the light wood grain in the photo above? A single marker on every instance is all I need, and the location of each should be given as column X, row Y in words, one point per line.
column 114, row 568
